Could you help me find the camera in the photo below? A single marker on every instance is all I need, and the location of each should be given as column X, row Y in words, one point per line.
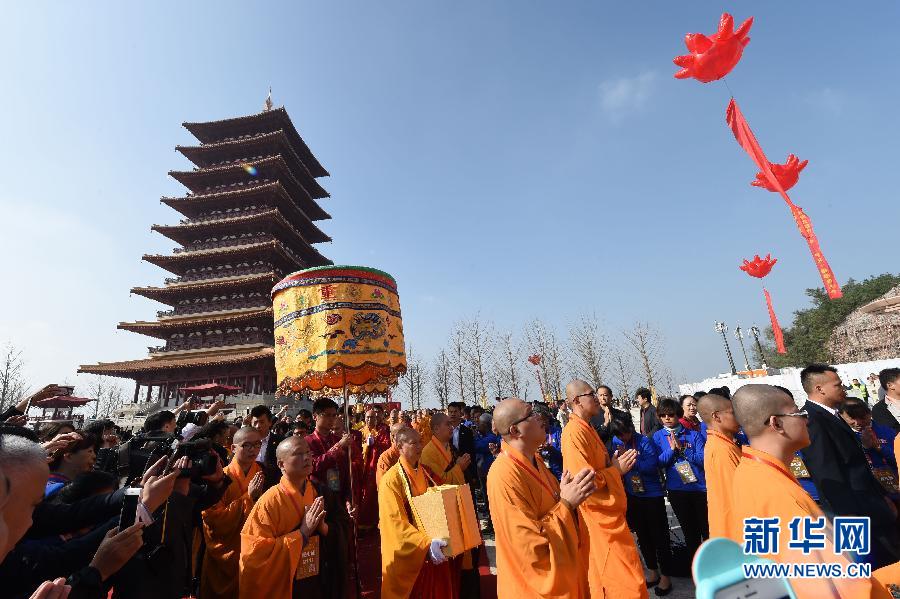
column 188, row 417
column 144, row 450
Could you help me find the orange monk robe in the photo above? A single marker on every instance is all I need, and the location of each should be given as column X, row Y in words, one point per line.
column 765, row 487
column 271, row 542
column 371, row 452
column 385, row 461
column 423, row 427
column 613, row 566
column 536, row 534
column 222, row 524
column 439, row 460
column 720, row 458
column 405, row 570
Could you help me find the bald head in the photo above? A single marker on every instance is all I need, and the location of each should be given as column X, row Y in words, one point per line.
column 710, row 403
column 395, row 428
column 754, row 404
column 287, row 447
column 406, row 434
column 246, row 434
column 438, row 419
column 576, row 388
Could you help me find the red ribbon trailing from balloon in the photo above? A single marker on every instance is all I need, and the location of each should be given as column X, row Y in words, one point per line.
column 760, row 268
column 776, row 328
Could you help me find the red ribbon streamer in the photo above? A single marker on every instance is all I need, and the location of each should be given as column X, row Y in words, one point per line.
column 776, row 328
column 745, row 138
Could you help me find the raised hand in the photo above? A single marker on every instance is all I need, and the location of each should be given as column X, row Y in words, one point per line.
column 315, row 513
column 157, row 488
column 575, row 489
column 58, row 589
column 625, row 461
column 463, row 461
column 257, row 485
column 868, row 438
column 116, row 549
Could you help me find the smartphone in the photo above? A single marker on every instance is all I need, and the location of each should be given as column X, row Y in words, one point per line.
column 129, row 507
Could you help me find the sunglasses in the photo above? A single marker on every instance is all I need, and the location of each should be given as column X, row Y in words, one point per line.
column 522, row 419
column 797, row 414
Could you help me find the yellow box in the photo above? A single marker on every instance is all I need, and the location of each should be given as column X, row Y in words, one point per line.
column 447, row 512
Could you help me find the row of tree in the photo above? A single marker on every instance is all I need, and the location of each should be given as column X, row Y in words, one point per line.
column 479, row 362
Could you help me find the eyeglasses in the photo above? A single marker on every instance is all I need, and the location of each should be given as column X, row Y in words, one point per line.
column 521, row 420
column 584, row 395
column 798, row 414
column 723, row 411
column 257, row 445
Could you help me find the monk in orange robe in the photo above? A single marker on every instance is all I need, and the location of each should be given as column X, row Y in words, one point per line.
column 279, row 526
column 437, row 455
column 612, row 563
column 391, row 456
column 412, row 564
column 422, row 424
column 375, row 441
column 765, row 487
column 720, row 458
column 535, row 517
column 222, row 523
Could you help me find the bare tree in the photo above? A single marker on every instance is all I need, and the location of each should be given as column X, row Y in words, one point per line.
column 441, row 380
column 623, row 375
column 506, row 373
column 411, row 377
column 96, row 390
column 647, row 344
column 420, row 379
column 458, row 359
column 479, row 354
column 541, row 340
column 12, row 376
column 589, row 350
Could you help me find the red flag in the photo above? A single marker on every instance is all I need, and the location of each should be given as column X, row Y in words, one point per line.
column 744, row 136
column 776, row 328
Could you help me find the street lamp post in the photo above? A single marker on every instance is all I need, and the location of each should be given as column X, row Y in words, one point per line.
column 754, row 330
column 722, row 328
column 739, row 333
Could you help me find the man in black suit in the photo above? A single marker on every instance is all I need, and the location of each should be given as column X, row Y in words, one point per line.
column 261, row 419
column 838, row 464
column 601, row 421
column 649, row 421
column 463, row 440
column 887, row 411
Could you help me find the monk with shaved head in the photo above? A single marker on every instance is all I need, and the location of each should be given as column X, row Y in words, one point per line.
column 392, row 455
column 285, row 520
column 438, row 455
column 535, row 517
column 765, row 487
column 610, row 564
column 720, row 458
column 222, row 523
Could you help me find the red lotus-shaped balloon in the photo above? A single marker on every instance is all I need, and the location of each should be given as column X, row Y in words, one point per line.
column 713, row 57
column 759, row 267
column 787, row 174
column 535, row 359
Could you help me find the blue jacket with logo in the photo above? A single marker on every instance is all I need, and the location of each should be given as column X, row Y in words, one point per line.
column 647, row 465
column 692, row 444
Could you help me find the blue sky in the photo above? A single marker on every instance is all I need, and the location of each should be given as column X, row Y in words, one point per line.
column 517, row 159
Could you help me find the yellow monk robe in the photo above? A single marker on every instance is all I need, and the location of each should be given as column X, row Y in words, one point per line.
column 613, row 566
column 438, row 459
column 720, row 458
column 271, row 542
column 405, row 570
column 222, row 524
column 537, row 535
column 423, row 427
column 764, row 487
column 385, row 461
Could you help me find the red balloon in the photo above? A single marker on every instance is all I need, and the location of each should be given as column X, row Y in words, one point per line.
column 787, row 174
column 759, row 267
column 713, row 57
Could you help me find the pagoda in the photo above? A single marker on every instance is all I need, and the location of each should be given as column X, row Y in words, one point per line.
column 250, row 216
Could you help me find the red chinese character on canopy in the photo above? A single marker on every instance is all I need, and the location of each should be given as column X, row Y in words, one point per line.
column 327, row 291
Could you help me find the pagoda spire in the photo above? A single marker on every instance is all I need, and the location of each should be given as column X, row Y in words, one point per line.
column 268, row 104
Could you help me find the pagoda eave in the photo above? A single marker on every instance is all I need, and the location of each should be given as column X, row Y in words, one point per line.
column 178, row 263
column 175, row 291
column 272, row 167
column 161, row 329
column 133, row 368
column 235, row 127
column 193, row 204
column 182, row 233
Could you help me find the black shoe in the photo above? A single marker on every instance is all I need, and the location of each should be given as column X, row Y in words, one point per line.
column 663, row 592
column 650, row 585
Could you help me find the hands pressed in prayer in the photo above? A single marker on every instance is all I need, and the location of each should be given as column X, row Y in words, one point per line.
column 625, row 461
column 58, row 589
column 573, row 490
column 314, row 516
column 463, row 461
column 257, row 485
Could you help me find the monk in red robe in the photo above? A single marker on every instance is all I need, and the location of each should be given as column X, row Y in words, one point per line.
column 413, row 565
column 284, row 521
column 222, row 523
column 375, row 441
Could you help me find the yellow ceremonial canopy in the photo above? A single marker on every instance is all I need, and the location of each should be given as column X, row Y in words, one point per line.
column 338, row 328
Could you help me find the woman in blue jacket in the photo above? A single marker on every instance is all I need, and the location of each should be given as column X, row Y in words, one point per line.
column 681, row 456
column 646, row 512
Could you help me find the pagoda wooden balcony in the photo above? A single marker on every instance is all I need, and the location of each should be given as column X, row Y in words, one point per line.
column 237, row 304
column 218, row 274
column 215, row 342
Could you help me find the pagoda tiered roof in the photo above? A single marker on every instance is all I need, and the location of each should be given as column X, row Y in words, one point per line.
column 247, row 149
column 178, row 263
column 163, row 328
column 129, row 368
column 185, row 233
column 174, row 291
column 235, row 176
column 248, row 126
column 192, row 206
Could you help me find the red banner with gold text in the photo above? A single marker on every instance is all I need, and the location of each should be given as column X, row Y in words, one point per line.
column 776, row 328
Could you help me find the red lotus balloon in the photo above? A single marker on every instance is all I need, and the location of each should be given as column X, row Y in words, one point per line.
column 713, row 57
column 759, row 267
column 787, row 174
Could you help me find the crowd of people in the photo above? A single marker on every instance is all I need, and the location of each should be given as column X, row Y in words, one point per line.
column 576, row 494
